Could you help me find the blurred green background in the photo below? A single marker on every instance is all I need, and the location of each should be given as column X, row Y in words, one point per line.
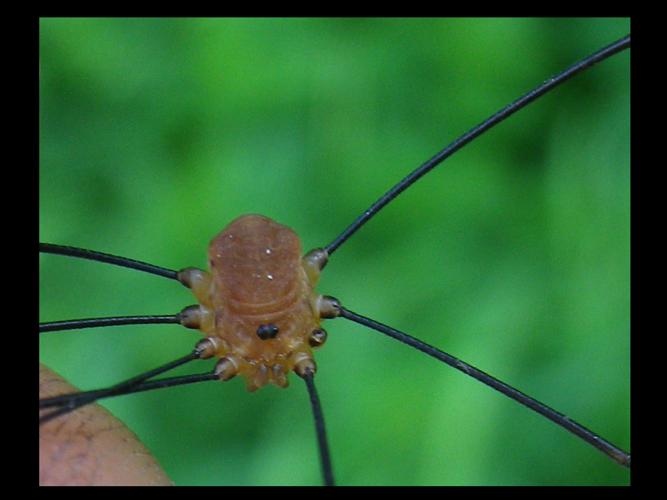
column 513, row 255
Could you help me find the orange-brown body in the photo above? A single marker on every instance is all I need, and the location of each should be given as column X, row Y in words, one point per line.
column 258, row 277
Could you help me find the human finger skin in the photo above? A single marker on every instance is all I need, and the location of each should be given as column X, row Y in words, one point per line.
column 90, row 447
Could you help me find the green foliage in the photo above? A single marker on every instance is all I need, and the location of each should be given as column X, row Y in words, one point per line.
column 513, row 254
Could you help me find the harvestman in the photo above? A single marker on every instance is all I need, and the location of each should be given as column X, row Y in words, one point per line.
column 260, row 314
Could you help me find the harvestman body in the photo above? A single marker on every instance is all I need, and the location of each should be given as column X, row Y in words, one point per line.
column 258, row 306
column 260, row 313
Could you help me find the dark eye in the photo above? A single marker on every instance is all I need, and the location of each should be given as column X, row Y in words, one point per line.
column 318, row 337
column 269, row 331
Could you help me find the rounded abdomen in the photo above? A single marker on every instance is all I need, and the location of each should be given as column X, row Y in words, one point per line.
column 255, row 263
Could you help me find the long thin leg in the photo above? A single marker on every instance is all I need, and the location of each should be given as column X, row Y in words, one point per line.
column 487, row 124
column 318, row 416
column 83, row 399
column 116, row 260
column 189, row 317
column 609, row 449
column 78, row 324
column 150, row 385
